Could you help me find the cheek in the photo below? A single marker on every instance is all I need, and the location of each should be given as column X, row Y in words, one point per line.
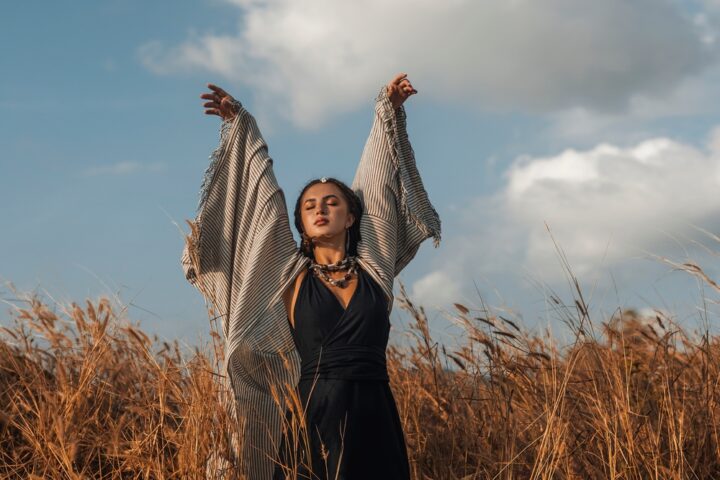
column 309, row 221
column 346, row 216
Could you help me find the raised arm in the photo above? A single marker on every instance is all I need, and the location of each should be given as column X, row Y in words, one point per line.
column 241, row 254
column 398, row 214
column 222, row 104
column 240, row 239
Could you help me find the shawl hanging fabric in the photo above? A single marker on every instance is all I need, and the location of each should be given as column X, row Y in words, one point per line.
column 241, row 255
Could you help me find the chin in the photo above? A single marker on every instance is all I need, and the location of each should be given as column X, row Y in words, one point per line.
column 326, row 234
column 324, row 231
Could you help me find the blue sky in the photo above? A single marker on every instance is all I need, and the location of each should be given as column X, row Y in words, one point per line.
column 596, row 117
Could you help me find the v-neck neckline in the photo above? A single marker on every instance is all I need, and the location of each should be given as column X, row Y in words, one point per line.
column 337, row 300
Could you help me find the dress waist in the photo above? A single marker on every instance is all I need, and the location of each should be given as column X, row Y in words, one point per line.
column 347, row 362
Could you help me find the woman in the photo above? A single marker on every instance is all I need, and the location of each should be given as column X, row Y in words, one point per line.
column 314, row 317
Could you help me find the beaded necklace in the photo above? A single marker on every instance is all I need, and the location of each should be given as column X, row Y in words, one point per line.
column 348, row 263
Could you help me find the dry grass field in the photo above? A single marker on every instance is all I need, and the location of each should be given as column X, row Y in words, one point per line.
column 84, row 394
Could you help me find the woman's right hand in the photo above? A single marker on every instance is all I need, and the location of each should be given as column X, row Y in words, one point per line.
column 221, row 103
column 399, row 89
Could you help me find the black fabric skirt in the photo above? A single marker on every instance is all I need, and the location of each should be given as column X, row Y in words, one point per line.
column 354, row 432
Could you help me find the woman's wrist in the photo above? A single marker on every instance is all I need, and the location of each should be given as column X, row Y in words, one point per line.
column 234, row 109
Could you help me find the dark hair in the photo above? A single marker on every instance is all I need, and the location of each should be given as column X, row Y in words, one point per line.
column 354, row 206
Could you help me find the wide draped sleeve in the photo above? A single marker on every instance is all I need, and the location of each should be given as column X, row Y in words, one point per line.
column 398, row 215
column 241, row 255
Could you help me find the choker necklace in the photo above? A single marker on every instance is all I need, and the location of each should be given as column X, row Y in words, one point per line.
column 348, row 263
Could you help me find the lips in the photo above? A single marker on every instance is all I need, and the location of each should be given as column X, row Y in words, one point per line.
column 321, row 221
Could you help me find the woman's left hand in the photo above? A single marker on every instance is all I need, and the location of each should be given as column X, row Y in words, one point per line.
column 220, row 103
column 399, row 89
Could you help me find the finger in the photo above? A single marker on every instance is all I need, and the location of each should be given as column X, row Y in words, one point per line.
column 217, row 89
column 398, row 78
column 213, row 111
column 211, row 105
column 407, row 86
column 210, row 96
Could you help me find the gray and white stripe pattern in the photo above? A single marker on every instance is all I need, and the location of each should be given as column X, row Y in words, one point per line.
column 241, row 255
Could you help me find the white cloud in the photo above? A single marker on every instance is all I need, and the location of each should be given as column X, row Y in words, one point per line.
column 693, row 96
column 604, row 206
column 124, row 168
column 311, row 59
column 437, row 288
column 630, row 195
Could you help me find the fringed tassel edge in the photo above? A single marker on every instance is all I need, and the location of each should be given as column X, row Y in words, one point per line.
column 390, row 122
column 216, row 157
column 194, row 238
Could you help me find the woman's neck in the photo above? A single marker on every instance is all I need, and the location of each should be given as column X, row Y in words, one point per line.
column 328, row 255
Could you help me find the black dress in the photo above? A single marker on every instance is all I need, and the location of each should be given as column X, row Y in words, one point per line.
column 344, row 374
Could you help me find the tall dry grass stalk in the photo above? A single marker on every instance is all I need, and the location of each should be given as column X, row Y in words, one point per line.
column 85, row 395
column 639, row 402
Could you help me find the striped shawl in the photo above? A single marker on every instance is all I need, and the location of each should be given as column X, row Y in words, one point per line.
column 241, row 255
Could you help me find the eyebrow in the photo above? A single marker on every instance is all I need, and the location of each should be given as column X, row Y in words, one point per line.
column 326, row 196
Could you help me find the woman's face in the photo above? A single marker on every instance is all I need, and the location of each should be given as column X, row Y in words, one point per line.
column 325, row 213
